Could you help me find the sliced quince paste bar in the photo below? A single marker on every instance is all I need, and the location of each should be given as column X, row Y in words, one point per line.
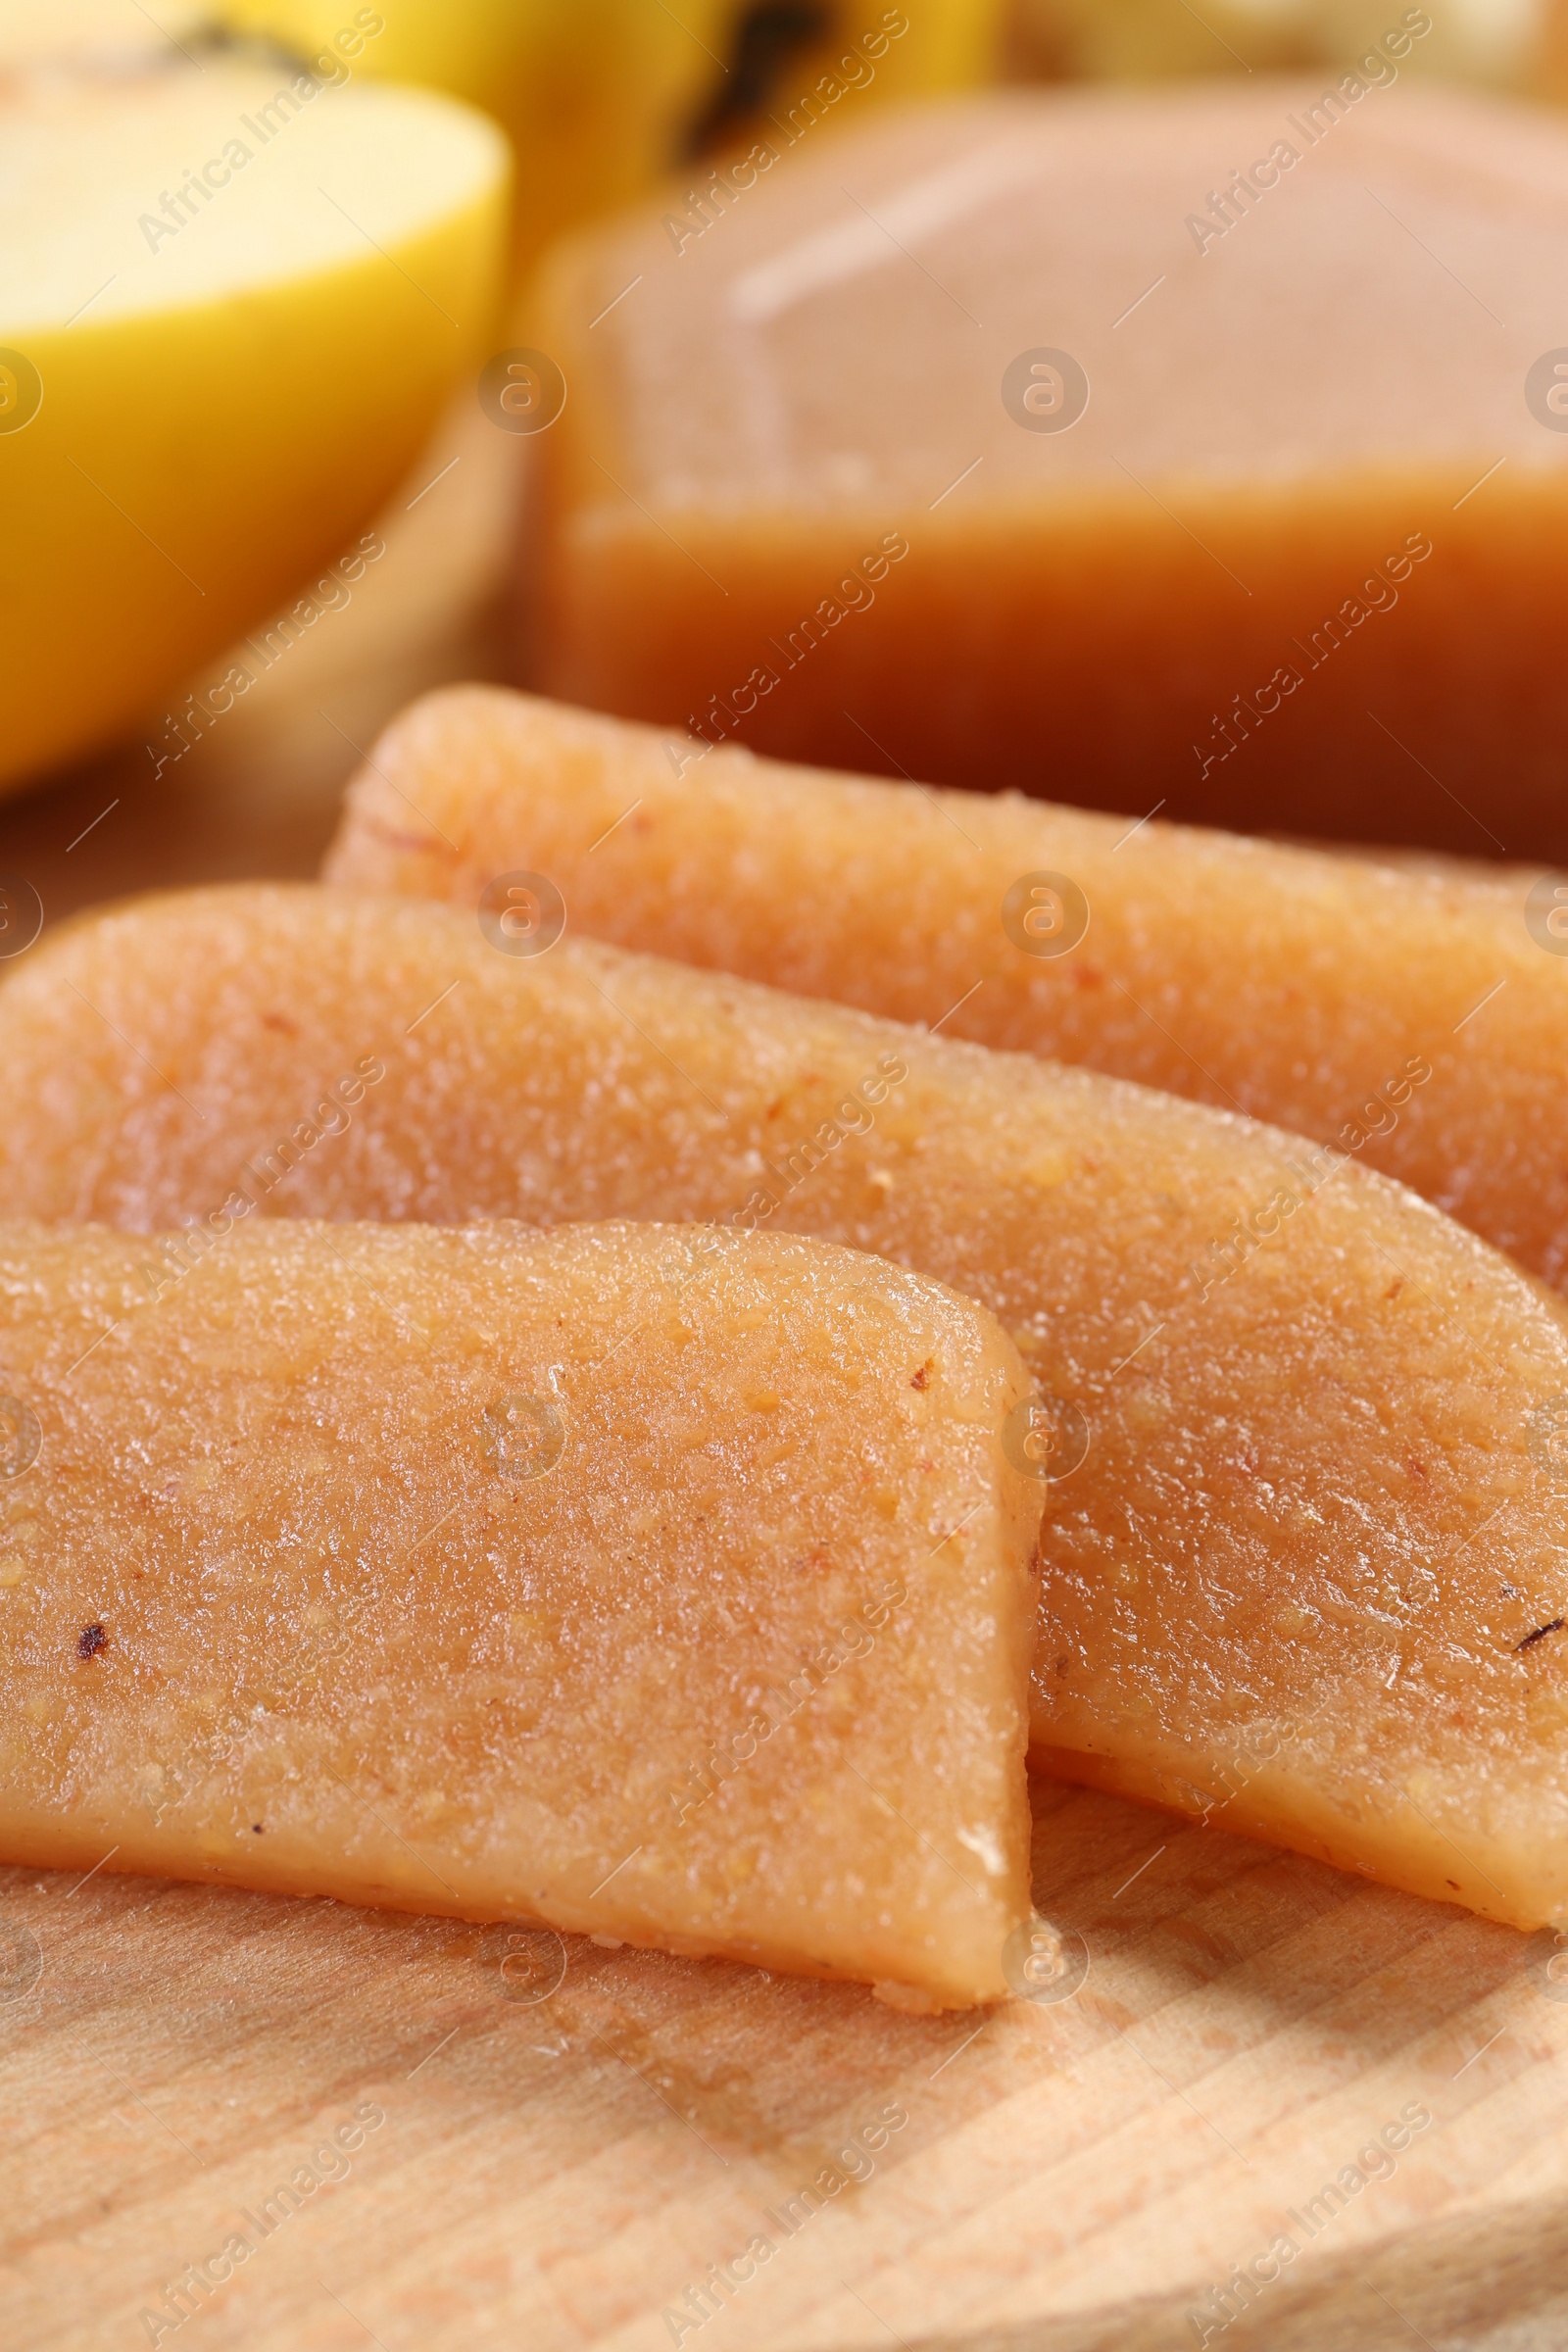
column 1419, row 1021
column 1301, row 1437
column 664, row 1585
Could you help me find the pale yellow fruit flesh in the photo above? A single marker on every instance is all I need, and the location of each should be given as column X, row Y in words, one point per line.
column 1299, row 987
column 110, row 29
column 616, row 1579
column 1302, row 1578
column 1175, row 512
column 198, row 405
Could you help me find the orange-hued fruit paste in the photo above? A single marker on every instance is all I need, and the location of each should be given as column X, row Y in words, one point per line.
column 1204, row 448
column 1301, row 1439
column 671, row 1587
column 1416, row 1020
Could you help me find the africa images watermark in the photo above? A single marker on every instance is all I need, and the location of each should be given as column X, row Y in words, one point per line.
column 329, row 593
column 331, row 1115
column 855, row 2161
column 855, row 1114
column 726, row 1758
column 1223, row 2305
column 327, row 72
column 855, row 71
column 1375, row 594
column 1378, row 1117
column 854, row 593
column 1228, row 207
column 200, row 2281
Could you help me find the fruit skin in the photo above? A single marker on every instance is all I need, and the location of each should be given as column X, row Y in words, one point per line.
column 189, row 464
column 945, row 44
column 600, row 97
column 594, row 94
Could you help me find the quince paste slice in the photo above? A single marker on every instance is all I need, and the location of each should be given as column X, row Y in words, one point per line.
column 1416, row 1019
column 665, row 1586
column 1300, row 1437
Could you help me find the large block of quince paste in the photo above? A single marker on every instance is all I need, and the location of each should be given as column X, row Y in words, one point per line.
column 1204, row 448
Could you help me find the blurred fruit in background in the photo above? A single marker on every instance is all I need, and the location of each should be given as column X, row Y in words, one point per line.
column 595, row 95
column 102, row 28
column 780, row 51
column 600, row 97
column 951, row 44
column 234, row 299
column 1500, row 44
column 224, row 406
column 231, row 373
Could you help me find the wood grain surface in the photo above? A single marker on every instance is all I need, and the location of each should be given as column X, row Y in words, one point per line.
column 556, row 2168
column 559, row 2164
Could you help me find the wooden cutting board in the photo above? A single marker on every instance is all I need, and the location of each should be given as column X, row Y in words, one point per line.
column 556, row 2164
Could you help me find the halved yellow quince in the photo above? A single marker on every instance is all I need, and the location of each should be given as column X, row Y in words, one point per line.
column 233, row 299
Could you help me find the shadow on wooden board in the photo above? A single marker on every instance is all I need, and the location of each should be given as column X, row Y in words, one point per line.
column 1493, row 2283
